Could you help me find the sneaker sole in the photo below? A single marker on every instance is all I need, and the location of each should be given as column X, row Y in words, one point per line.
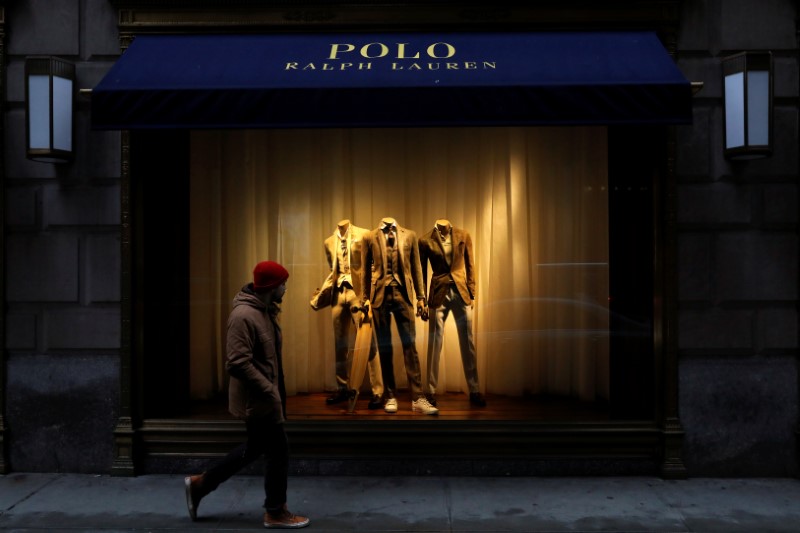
column 287, row 526
column 417, row 410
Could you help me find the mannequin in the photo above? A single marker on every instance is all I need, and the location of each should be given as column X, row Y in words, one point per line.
column 392, row 281
column 343, row 251
column 453, row 287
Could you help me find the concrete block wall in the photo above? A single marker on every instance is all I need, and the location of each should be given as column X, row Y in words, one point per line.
column 62, row 224
column 738, row 253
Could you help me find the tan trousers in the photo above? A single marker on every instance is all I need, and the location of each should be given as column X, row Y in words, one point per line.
column 343, row 334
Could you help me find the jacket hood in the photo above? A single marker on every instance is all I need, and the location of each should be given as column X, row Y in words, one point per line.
column 247, row 296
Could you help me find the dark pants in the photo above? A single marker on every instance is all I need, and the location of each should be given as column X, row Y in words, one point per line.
column 394, row 303
column 263, row 438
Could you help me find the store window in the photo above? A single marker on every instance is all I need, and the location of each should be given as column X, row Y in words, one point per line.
column 561, row 221
column 534, row 200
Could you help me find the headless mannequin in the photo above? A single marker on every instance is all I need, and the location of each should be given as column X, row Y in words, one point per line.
column 462, row 312
column 344, row 300
column 443, row 225
column 400, row 275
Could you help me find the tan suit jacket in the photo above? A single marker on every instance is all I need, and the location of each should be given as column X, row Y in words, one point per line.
column 324, row 296
column 461, row 269
column 355, row 241
column 374, row 280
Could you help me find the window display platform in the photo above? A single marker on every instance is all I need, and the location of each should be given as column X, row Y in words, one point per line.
column 452, row 406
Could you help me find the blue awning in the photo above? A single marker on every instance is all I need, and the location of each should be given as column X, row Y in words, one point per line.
column 391, row 79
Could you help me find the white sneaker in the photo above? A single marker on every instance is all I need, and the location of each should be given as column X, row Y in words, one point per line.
column 424, row 406
column 391, row 406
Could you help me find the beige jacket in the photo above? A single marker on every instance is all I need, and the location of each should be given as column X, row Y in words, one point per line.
column 355, row 240
column 461, row 269
column 375, row 259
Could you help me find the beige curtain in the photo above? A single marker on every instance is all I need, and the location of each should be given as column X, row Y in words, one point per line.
column 534, row 200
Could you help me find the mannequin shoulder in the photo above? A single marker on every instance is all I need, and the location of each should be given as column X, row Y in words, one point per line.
column 407, row 233
column 368, row 237
column 426, row 241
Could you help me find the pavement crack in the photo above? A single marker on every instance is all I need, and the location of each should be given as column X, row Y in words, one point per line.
column 31, row 494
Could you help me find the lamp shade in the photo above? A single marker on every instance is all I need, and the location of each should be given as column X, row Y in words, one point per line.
column 49, row 90
column 747, row 80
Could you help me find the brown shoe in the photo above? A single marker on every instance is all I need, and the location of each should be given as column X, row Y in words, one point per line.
column 193, row 494
column 283, row 519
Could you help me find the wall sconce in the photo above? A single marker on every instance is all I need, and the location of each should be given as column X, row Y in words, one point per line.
column 748, row 105
column 49, row 94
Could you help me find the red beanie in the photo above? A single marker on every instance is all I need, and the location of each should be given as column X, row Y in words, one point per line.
column 268, row 275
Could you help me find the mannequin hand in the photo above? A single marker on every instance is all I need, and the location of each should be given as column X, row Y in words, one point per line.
column 360, row 313
column 422, row 311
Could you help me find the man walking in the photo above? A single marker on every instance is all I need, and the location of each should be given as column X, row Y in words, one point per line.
column 257, row 395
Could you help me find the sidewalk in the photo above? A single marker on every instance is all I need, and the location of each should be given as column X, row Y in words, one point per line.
column 74, row 502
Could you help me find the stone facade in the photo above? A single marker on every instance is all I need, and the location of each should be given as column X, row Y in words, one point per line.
column 737, row 260
column 62, row 283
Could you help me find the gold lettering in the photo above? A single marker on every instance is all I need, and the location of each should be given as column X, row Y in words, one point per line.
column 466, row 65
column 326, row 66
column 335, row 49
column 383, row 50
column 401, row 52
column 291, row 66
column 450, row 49
column 310, row 66
column 440, row 50
column 365, row 66
column 345, row 66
